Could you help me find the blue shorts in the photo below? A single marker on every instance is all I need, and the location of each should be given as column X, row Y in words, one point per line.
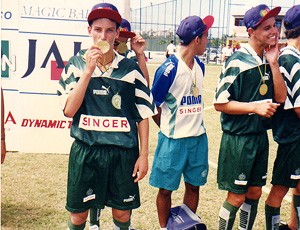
column 174, row 157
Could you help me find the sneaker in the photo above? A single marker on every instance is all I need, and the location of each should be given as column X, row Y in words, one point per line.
column 284, row 226
column 94, row 227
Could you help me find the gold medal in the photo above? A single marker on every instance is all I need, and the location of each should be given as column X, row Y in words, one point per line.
column 263, row 89
column 122, row 48
column 195, row 91
column 104, row 46
column 116, row 101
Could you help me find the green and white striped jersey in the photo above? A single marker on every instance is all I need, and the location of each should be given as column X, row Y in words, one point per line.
column 114, row 102
column 240, row 80
column 286, row 124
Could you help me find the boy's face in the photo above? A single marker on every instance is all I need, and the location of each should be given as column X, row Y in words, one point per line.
column 104, row 29
column 203, row 40
column 266, row 33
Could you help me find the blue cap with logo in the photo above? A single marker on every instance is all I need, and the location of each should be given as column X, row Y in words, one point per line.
column 292, row 18
column 256, row 15
column 193, row 26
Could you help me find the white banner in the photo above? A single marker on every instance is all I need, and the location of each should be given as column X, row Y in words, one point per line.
column 38, row 38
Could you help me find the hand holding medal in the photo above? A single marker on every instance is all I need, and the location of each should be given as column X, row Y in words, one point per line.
column 104, row 47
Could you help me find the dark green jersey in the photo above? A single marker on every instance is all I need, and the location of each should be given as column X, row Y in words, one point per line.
column 240, row 80
column 114, row 102
column 286, row 124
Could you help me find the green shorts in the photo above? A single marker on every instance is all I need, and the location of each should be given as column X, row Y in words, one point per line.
column 243, row 162
column 286, row 170
column 101, row 176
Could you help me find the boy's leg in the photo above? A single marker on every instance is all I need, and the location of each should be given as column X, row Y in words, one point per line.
column 77, row 220
column 227, row 216
column 121, row 219
column 248, row 213
column 95, row 218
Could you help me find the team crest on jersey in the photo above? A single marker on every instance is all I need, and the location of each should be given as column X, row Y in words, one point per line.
column 296, row 176
column 242, row 176
column 116, row 101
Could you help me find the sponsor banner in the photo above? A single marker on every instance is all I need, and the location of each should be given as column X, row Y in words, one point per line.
column 37, row 39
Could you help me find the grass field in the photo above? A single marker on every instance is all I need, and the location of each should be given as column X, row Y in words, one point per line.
column 34, row 185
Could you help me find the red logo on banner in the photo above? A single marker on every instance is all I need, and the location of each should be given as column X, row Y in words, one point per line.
column 55, row 71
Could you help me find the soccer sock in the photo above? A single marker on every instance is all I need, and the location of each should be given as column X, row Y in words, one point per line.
column 121, row 225
column 227, row 216
column 94, row 216
column 297, row 208
column 272, row 217
column 248, row 213
column 72, row 226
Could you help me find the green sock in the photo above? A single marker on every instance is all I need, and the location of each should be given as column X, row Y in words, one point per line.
column 121, row 225
column 227, row 216
column 94, row 216
column 297, row 208
column 272, row 217
column 248, row 213
column 72, row 226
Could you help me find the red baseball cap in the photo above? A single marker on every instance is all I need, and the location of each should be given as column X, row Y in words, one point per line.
column 105, row 10
column 125, row 29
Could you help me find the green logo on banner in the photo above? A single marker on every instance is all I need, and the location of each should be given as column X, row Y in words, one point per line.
column 4, row 59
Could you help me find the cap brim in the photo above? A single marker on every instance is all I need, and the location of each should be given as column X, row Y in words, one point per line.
column 272, row 13
column 105, row 13
column 126, row 34
column 208, row 21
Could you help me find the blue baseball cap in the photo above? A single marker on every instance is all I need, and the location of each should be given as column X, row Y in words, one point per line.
column 125, row 29
column 193, row 26
column 292, row 18
column 256, row 15
column 105, row 10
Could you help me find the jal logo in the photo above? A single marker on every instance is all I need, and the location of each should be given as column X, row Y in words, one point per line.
column 8, row 61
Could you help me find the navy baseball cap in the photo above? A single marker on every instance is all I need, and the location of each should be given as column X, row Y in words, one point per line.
column 193, row 26
column 105, row 10
column 256, row 15
column 125, row 30
column 292, row 18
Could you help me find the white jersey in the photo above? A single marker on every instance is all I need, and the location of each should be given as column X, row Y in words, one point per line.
column 182, row 112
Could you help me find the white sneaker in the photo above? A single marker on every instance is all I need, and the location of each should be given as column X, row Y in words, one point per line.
column 94, row 227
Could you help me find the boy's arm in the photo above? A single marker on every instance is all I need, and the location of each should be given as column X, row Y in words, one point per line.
column 280, row 91
column 141, row 165
column 264, row 109
column 156, row 118
column 138, row 45
column 297, row 111
column 76, row 96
